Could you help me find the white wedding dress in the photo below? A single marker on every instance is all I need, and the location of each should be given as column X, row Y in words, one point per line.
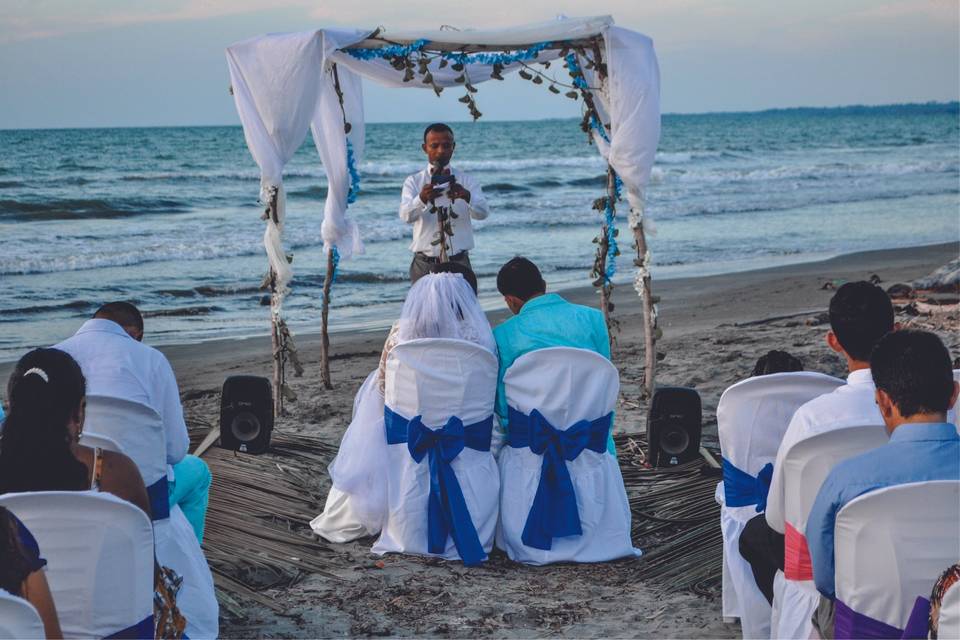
column 440, row 305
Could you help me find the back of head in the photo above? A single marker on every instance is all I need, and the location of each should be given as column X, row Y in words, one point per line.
column 914, row 369
column 520, row 278
column 456, row 267
column 45, row 392
column 123, row 313
column 777, row 362
column 860, row 314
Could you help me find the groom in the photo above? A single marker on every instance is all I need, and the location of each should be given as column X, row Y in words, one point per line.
column 541, row 320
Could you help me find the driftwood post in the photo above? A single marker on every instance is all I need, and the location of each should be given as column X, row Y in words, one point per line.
column 324, row 335
column 643, row 286
column 606, row 289
column 276, row 333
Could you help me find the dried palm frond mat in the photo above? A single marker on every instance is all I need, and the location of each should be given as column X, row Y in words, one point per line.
column 257, row 536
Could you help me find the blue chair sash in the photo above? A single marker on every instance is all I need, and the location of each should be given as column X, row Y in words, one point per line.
column 554, row 512
column 143, row 630
column 159, row 494
column 851, row 624
column 447, row 513
column 741, row 489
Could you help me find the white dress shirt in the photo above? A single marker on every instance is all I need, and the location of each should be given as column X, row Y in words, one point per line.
column 413, row 209
column 116, row 365
column 851, row 405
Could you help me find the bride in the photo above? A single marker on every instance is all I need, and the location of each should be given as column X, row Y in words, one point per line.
column 442, row 304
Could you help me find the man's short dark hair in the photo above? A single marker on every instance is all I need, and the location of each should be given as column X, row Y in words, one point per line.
column 520, row 278
column 456, row 267
column 437, row 127
column 914, row 369
column 123, row 313
column 860, row 314
column 777, row 362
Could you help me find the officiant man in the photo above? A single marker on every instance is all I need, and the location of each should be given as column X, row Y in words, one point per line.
column 440, row 201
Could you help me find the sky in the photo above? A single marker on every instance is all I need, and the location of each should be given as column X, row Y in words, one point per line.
column 101, row 63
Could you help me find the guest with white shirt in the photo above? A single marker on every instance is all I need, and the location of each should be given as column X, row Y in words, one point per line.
column 116, row 363
column 440, row 201
column 860, row 315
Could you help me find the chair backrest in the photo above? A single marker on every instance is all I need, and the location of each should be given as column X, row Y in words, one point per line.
column 808, row 463
column 564, row 384
column 18, row 618
column 93, row 440
column 948, row 618
column 753, row 414
column 891, row 545
column 138, row 429
column 99, row 552
column 437, row 378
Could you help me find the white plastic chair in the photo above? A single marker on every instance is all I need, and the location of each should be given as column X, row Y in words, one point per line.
column 94, row 440
column 805, row 466
column 891, row 545
column 99, row 552
column 138, row 430
column 565, row 386
column 438, row 379
column 752, row 417
column 18, row 618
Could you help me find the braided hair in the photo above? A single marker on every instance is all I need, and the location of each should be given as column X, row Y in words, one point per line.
column 45, row 391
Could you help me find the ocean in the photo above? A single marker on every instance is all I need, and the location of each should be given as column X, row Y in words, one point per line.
column 168, row 217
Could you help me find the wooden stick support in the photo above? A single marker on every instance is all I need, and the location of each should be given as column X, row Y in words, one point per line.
column 607, row 289
column 649, row 321
column 324, row 335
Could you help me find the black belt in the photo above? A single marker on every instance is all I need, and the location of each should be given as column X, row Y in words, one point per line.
column 436, row 259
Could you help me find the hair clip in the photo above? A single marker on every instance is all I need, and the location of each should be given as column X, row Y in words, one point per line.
column 37, row 371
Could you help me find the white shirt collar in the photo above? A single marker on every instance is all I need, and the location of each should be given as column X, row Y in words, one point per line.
column 102, row 324
column 860, row 376
column 449, row 166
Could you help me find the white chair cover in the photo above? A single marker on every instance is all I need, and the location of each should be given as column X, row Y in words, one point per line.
column 18, row 618
column 752, row 417
column 805, row 466
column 565, row 385
column 94, row 440
column 438, row 378
column 99, row 552
column 138, row 429
column 891, row 545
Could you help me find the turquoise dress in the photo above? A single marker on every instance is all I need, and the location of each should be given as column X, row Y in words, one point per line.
column 548, row 321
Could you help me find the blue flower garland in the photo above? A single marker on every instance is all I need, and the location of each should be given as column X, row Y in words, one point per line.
column 336, row 263
column 390, row 51
column 354, row 175
column 612, row 247
column 580, row 82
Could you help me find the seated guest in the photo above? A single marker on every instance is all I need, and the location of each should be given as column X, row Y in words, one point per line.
column 541, row 320
column 21, row 571
column 116, row 363
column 914, row 389
column 40, row 446
column 776, row 362
column 860, row 315
column 442, row 304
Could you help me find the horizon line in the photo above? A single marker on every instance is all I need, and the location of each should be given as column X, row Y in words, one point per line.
column 949, row 105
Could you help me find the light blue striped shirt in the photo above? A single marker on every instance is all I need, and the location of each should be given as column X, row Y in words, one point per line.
column 916, row 453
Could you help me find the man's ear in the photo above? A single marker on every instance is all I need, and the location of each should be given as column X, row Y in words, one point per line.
column 896, row 327
column 953, row 396
column 134, row 332
column 424, row 147
column 885, row 404
column 833, row 343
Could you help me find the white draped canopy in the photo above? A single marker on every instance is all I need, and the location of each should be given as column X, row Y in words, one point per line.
column 284, row 84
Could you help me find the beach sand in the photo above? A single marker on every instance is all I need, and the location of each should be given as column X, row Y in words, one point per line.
column 714, row 329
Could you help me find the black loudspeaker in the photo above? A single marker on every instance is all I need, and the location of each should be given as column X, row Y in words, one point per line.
column 246, row 414
column 673, row 426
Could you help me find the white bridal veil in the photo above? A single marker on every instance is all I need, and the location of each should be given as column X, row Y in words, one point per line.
column 443, row 305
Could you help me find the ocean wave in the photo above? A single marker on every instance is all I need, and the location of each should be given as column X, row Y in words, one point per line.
column 208, row 291
column 75, row 305
column 10, row 184
column 805, row 172
column 181, row 312
column 594, row 181
column 503, row 187
column 76, row 208
column 406, row 168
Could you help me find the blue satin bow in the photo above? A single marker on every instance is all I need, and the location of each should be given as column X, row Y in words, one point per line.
column 554, row 512
column 741, row 489
column 447, row 513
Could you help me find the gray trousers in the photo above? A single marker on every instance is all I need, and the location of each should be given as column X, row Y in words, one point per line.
column 421, row 264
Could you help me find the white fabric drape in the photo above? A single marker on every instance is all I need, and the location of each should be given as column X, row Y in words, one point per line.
column 283, row 83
